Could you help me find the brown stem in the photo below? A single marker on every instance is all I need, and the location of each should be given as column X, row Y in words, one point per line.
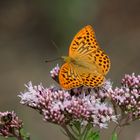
column 124, row 121
column 18, row 137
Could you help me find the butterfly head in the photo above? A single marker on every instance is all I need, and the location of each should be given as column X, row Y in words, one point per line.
column 67, row 59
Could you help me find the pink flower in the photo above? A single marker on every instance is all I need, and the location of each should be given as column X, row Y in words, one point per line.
column 60, row 107
column 10, row 124
column 128, row 95
column 54, row 72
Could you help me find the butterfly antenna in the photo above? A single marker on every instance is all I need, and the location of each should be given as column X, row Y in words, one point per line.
column 51, row 60
column 57, row 48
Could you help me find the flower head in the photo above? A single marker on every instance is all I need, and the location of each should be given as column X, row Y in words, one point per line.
column 60, row 107
column 54, row 72
column 10, row 124
column 128, row 96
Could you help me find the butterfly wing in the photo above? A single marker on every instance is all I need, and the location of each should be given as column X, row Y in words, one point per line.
column 68, row 77
column 85, row 47
column 90, row 63
column 101, row 60
column 83, row 42
column 91, row 78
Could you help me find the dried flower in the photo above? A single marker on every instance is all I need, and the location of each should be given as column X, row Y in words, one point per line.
column 10, row 124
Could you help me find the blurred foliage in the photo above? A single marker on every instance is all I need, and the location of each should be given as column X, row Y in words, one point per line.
column 28, row 29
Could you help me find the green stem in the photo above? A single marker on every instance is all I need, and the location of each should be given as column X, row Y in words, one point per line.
column 86, row 130
column 80, row 136
column 74, row 131
column 70, row 135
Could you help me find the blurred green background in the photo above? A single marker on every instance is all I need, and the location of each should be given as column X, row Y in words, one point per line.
column 28, row 29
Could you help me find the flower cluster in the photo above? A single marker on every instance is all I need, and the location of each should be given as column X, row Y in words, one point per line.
column 131, row 81
column 10, row 124
column 60, row 107
column 54, row 72
column 84, row 105
column 128, row 96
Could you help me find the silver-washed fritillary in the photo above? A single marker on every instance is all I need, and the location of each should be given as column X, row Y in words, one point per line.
column 87, row 64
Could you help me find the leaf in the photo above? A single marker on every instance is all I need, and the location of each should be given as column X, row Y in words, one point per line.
column 24, row 135
column 114, row 136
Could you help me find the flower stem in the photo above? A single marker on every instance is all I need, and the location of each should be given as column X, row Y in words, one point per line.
column 70, row 135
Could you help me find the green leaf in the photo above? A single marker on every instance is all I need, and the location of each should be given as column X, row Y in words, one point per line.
column 114, row 136
column 24, row 135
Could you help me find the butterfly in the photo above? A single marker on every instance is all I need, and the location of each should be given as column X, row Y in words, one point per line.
column 86, row 65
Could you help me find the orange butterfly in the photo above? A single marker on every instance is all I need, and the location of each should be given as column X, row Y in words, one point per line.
column 86, row 64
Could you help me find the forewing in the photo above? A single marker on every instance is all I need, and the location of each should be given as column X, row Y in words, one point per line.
column 68, row 77
column 102, row 61
column 85, row 47
column 83, row 42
